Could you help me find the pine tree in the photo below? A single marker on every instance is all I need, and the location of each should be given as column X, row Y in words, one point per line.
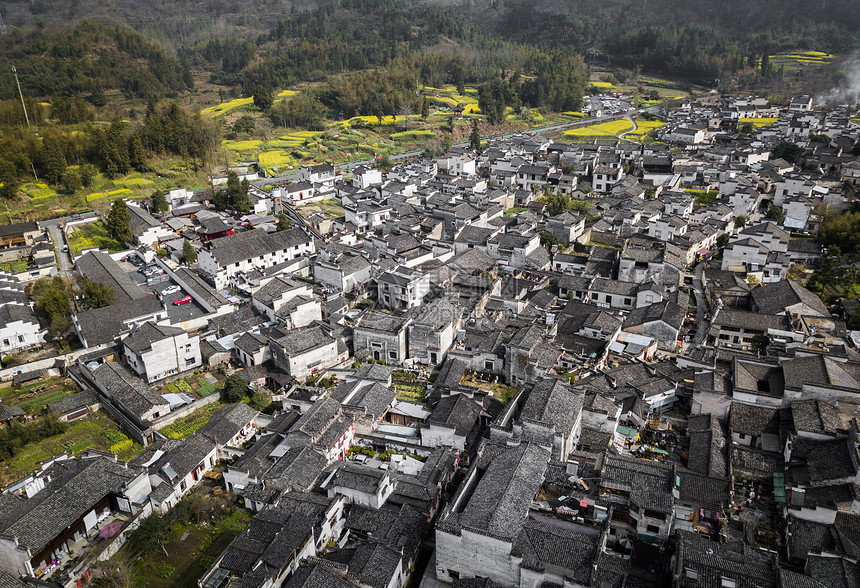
column 284, row 222
column 9, row 179
column 136, row 153
column 425, row 109
column 475, row 137
column 119, row 222
column 51, row 160
column 159, row 202
column 263, row 98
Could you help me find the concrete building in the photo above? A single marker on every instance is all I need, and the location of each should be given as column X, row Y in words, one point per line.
column 252, row 250
column 155, row 352
column 382, row 337
column 305, row 351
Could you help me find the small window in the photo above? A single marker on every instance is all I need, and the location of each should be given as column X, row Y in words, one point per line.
column 652, row 528
column 628, row 301
column 489, row 365
column 183, row 485
column 392, row 355
column 20, row 338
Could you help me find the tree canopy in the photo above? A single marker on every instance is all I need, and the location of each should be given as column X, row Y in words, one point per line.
column 97, row 294
column 119, row 222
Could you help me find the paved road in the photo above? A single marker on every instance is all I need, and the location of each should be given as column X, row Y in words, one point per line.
column 65, row 219
column 632, row 122
column 701, row 305
column 64, row 264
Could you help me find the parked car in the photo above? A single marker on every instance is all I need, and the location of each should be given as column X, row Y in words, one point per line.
column 171, row 290
column 183, row 300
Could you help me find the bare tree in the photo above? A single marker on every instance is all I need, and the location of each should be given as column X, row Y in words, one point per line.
column 116, row 573
column 406, row 110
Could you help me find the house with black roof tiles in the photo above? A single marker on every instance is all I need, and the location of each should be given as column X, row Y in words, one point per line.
column 476, row 531
column 76, row 497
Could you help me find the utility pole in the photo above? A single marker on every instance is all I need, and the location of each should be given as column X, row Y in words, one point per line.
column 21, row 94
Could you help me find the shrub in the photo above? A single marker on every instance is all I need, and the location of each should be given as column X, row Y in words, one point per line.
column 122, row 446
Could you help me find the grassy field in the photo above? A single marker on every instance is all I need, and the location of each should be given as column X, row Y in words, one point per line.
column 227, row 107
column 793, row 62
column 192, row 546
column 331, row 208
column 99, row 432
column 643, row 127
column 184, row 428
column 196, row 385
column 90, row 235
column 409, row 387
column 501, row 392
column 13, row 267
column 33, row 398
column 703, row 198
column 605, row 130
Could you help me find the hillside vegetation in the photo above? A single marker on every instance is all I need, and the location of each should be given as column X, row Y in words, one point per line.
column 90, row 58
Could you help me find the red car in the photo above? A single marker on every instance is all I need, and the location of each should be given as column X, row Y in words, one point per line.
column 183, row 300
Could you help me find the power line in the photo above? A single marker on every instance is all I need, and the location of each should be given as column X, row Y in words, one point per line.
column 21, row 94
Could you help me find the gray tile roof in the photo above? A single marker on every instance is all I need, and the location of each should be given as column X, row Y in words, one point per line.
column 375, row 564
column 458, row 412
column 304, row 340
column 708, row 446
column 823, row 460
column 702, row 563
column 501, row 499
column 141, row 340
column 74, row 402
column 819, row 370
column 140, row 220
column 102, row 325
column 315, row 575
column 841, row 538
column 250, row 244
column 833, row 572
column 776, row 297
column 100, row 267
column 553, row 402
column 131, row 391
column 373, row 400
column 572, row 548
column 360, row 478
column 227, row 422
column 815, row 416
column 649, row 483
column 383, row 322
column 75, row 487
column 750, row 419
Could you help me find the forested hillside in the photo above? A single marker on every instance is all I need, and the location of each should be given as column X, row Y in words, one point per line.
column 90, row 58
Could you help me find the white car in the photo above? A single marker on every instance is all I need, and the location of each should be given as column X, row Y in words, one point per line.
column 171, row 290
